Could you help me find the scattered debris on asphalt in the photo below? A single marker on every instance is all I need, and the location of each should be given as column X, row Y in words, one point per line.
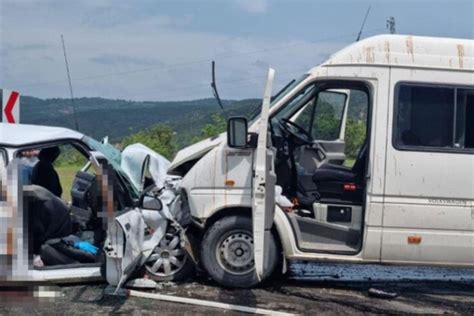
column 381, row 293
column 206, row 303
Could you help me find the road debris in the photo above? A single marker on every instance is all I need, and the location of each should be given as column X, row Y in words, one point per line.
column 141, row 283
column 206, row 303
column 381, row 293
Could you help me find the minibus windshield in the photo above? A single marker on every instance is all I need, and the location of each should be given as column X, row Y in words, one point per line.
column 255, row 114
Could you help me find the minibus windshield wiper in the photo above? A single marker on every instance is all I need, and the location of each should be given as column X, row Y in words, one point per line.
column 256, row 111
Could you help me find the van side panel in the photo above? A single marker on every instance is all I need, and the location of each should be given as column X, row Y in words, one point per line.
column 221, row 179
column 429, row 195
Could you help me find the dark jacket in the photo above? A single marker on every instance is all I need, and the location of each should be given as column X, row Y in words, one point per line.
column 44, row 173
column 48, row 216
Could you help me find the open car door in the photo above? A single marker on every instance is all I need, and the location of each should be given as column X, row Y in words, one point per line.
column 263, row 195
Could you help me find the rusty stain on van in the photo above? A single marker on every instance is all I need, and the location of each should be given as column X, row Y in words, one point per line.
column 369, row 55
column 409, row 43
column 387, row 51
column 226, row 180
column 461, row 55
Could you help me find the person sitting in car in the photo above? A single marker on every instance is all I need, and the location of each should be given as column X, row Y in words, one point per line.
column 48, row 218
column 44, row 173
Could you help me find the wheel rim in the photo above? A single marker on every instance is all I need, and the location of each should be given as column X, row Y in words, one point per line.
column 234, row 253
column 168, row 258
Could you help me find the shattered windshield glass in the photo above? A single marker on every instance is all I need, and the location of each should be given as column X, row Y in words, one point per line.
column 113, row 155
column 110, row 152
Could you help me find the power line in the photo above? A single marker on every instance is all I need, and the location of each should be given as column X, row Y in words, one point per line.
column 246, row 80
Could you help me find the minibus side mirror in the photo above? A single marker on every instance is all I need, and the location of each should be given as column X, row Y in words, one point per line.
column 237, row 132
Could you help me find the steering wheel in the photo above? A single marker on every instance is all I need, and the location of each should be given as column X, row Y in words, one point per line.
column 300, row 134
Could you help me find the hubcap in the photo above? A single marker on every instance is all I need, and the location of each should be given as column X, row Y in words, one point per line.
column 167, row 258
column 235, row 253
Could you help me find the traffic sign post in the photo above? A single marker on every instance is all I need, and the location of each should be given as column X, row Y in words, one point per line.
column 10, row 106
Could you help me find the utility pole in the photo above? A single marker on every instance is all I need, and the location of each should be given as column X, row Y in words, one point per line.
column 391, row 25
column 70, row 85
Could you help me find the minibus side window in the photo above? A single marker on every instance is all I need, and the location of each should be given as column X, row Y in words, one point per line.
column 328, row 115
column 464, row 119
column 434, row 117
column 322, row 116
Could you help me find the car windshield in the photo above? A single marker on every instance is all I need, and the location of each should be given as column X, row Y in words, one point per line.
column 112, row 154
column 256, row 113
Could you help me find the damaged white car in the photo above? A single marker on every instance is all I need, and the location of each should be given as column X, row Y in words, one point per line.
column 60, row 193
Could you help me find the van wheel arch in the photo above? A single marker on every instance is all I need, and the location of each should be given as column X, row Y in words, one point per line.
column 247, row 213
column 239, row 211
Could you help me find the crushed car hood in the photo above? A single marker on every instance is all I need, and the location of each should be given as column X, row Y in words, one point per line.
column 132, row 161
column 195, row 151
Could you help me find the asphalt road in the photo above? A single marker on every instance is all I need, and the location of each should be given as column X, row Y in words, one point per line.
column 306, row 293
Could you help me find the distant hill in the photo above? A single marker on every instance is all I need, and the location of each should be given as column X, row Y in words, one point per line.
column 98, row 117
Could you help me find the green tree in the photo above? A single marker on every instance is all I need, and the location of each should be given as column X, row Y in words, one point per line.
column 216, row 127
column 70, row 157
column 160, row 138
column 355, row 136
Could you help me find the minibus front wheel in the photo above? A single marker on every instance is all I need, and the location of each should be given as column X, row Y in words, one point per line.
column 227, row 253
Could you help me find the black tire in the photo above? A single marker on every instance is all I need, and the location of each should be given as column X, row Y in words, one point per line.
column 211, row 254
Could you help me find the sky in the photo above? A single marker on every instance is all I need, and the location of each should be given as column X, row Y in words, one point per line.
column 162, row 50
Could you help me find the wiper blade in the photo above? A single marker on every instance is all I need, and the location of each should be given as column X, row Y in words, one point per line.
column 258, row 108
column 283, row 89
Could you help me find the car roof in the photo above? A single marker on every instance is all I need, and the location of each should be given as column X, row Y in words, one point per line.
column 17, row 135
column 407, row 51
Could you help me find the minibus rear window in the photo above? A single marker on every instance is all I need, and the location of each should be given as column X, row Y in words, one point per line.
column 434, row 117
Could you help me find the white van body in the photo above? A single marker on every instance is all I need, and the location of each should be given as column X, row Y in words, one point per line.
column 418, row 203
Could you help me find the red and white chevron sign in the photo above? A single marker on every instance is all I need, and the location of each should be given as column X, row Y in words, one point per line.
column 10, row 106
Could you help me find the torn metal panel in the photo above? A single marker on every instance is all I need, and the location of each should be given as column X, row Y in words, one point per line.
column 133, row 157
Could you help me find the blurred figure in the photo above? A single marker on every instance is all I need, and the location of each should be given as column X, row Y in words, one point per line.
column 28, row 160
column 44, row 173
column 48, row 218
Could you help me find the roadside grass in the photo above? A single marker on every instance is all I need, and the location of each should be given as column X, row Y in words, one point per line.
column 349, row 162
column 67, row 173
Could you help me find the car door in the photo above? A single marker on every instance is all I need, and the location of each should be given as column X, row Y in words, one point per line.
column 263, row 191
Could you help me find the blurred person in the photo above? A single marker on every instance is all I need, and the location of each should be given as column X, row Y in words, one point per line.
column 44, row 173
column 28, row 160
column 48, row 218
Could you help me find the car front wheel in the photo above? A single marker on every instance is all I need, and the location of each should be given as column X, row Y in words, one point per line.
column 169, row 261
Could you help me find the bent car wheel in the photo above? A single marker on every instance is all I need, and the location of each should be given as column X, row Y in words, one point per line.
column 227, row 253
column 169, row 261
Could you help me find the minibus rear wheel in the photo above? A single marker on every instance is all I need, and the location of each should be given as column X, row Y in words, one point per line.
column 227, row 253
